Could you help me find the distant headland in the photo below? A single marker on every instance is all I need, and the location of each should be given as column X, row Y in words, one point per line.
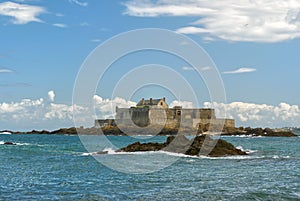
column 114, row 130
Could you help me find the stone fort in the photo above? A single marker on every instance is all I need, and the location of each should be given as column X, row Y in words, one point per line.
column 157, row 112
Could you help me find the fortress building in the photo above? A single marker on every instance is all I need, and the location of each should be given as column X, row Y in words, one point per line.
column 157, row 112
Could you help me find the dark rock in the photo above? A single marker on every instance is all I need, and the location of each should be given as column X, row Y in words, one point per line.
column 268, row 132
column 102, row 152
column 9, row 143
column 137, row 146
column 178, row 144
column 181, row 144
column 68, row 131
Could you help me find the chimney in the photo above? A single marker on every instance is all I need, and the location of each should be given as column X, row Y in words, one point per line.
column 164, row 99
column 151, row 101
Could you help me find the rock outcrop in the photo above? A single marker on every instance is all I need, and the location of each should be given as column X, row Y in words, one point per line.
column 181, row 144
column 9, row 143
column 268, row 132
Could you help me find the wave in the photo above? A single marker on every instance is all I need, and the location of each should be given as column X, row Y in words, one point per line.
column 110, row 151
column 248, row 151
column 243, row 136
column 5, row 133
column 21, row 144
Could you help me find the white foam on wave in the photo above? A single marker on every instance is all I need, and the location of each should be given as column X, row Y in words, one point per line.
column 280, row 157
column 21, row 144
column 177, row 154
column 180, row 155
column 108, row 150
column 5, row 133
column 243, row 136
column 248, row 151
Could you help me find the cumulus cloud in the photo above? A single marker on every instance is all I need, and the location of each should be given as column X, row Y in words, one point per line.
column 41, row 114
column 240, row 70
column 105, row 108
column 252, row 21
column 5, row 70
column 183, row 104
column 79, row 3
column 59, row 25
column 51, row 95
column 258, row 115
column 21, row 13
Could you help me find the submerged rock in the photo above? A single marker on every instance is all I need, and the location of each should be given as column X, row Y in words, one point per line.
column 200, row 145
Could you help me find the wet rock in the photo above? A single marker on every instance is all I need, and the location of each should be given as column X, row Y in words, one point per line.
column 195, row 147
column 137, row 146
column 268, row 132
column 9, row 143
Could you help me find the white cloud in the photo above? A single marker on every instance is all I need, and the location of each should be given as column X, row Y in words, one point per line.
column 252, row 21
column 59, row 25
column 5, row 70
column 105, row 108
column 189, row 68
column 183, row 104
column 59, row 111
column 30, row 114
column 205, row 68
column 51, row 95
column 240, row 70
column 259, row 115
column 79, row 3
column 21, row 13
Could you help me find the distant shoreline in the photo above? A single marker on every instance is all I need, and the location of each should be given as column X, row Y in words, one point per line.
column 115, row 131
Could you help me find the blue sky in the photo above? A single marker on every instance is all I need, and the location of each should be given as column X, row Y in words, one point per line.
column 254, row 44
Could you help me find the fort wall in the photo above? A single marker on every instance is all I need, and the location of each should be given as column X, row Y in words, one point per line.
column 156, row 112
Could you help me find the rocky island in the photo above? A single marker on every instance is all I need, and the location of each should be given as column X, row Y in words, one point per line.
column 200, row 145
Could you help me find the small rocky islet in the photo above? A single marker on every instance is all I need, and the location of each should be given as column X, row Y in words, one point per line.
column 200, row 145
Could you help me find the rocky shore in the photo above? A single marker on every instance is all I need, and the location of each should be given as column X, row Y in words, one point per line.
column 268, row 132
column 200, row 145
column 114, row 130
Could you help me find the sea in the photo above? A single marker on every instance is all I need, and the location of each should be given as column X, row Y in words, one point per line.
column 61, row 167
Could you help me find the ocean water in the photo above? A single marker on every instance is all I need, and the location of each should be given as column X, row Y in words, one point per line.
column 58, row 167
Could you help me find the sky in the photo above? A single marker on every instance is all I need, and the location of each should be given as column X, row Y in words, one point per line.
column 254, row 45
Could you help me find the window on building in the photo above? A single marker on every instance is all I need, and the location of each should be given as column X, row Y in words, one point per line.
column 178, row 113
